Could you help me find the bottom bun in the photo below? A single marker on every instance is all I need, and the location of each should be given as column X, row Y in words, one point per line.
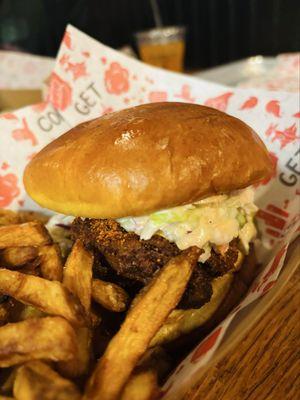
column 181, row 322
column 227, row 292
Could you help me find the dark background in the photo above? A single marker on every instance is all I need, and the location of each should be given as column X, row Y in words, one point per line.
column 218, row 31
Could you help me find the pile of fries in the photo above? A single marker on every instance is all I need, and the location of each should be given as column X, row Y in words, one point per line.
column 51, row 320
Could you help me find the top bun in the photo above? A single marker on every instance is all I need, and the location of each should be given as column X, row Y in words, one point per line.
column 146, row 158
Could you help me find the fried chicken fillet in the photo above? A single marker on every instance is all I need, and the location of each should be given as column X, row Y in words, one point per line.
column 132, row 262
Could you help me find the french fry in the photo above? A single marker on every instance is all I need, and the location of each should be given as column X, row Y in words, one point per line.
column 78, row 279
column 180, row 322
column 36, row 381
column 50, row 297
column 78, row 274
column 50, row 338
column 80, row 363
column 157, row 359
column 6, row 398
column 95, row 318
column 27, row 234
column 141, row 324
column 14, row 257
column 8, row 383
column 29, row 216
column 31, row 268
column 30, row 312
column 11, row 310
column 4, row 312
column 8, row 217
column 109, row 295
column 51, row 265
column 141, row 386
column 143, row 382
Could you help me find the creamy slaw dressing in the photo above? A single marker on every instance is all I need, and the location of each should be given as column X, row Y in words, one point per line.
column 59, row 228
column 215, row 221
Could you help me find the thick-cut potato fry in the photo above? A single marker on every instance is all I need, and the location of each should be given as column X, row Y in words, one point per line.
column 157, row 359
column 10, row 309
column 13, row 257
column 8, row 217
column 31, row 268
column 8, row 382
column 79, row 365
column 180, row 322
column 78, row 279
column 36, row 381
column 30, row 312
column 27, row 234
column 109, row 295
column 78, row 274
column 51, row 264
column 4, row 312
column 141, row 324
column 50, row 297
column 50, row 338
column 141, row 386
column 95, row 318
column 29, row 216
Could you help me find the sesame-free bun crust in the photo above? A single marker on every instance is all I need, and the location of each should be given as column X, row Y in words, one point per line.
column 144, row 159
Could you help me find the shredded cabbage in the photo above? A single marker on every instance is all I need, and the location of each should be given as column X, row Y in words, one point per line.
column 59, row 229
column 213, row 221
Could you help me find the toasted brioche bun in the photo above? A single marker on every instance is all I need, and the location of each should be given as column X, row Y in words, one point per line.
column 144, row 159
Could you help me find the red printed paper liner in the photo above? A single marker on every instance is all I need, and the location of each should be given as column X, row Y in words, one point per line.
column 90, row 79
column 20, row 70
column 284, row 76
column 23, row 133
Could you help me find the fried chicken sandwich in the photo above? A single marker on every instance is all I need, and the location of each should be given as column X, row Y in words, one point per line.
column 146, row 183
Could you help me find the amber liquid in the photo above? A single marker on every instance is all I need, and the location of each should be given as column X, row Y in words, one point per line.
column 165, row 55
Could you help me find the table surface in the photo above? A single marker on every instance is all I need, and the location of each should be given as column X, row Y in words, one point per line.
column 266, row 364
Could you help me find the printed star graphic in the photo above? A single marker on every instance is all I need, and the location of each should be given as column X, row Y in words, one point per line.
column 77, row 69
